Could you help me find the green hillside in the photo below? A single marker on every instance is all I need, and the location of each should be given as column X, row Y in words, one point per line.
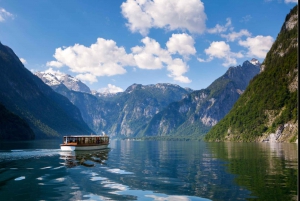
column 270, row 100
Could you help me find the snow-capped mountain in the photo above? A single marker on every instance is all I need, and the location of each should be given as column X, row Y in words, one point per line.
column 55, row 78
column 255, row 62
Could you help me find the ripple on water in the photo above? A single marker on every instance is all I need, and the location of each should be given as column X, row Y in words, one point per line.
column 118, row 171
column 20, row 178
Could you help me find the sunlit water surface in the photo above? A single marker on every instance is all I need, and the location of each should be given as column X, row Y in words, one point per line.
column 149, row 170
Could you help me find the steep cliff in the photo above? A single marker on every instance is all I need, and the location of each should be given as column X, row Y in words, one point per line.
column 48, row 113
column 267, row 110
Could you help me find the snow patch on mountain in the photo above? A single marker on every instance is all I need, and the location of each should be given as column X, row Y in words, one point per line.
column 55, row 78
column 255, row 62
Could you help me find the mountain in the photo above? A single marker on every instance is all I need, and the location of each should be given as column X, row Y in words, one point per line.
column 200, row 110
column 125, row 113
column 55, row 79
column 12, row 127
column 267, row 110
column 139, row 103
column 48, row 113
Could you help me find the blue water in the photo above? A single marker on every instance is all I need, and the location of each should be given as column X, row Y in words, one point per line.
column 149, row 170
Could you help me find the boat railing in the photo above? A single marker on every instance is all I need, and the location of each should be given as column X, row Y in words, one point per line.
column 71, row 143
column 84, row 144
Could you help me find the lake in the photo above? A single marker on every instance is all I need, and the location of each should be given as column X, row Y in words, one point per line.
column 149, row 170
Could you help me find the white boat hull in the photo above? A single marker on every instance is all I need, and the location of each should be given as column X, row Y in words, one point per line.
column 82, row 148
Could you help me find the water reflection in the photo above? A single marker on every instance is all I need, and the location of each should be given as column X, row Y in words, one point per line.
column 170, row 167
column 85, row 158
column 151, row 170
column 268, row 170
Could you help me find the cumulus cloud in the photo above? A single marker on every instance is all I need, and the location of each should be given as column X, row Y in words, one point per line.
column 219, row 28
column 290, row 1
column 236, row 35
column 87, row 77
column 257, row 46
column 143, row 15
column 177, row 68
column 23, row 61
column 104, row 58
column 56, row 64
column 5, row 15
column 182, row 44
column 54, row 72
column 111, row 89
column 221, row 50
column 152, row 56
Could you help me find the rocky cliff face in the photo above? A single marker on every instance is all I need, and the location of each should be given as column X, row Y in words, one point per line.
column 198, row 111
column 123, row 114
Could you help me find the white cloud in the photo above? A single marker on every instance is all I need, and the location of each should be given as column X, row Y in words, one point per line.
column 138, row 19
column 87, row 77
column 182, row 44
column 104, row 58
column 219, row 28
column 218, row 49
column 23, row 61
column 221, row 50
column 54, row 72
column 257, row 46
column 177, row 67
column 5, row 14
column 290, row 1
column 111, row 89
column 56, row 64
column 205, row 60
column 152, row 56
column 143, row 15
column 236, row 35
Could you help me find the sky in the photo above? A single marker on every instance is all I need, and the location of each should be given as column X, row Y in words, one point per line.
column 112, row 44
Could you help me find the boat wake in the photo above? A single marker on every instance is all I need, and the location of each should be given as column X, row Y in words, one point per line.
column 19, row 154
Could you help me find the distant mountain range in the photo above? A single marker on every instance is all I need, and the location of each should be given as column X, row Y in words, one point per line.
column 194, row 115
column 268, row 109
column 48, row 113
column 122, row 114
column 139, row 110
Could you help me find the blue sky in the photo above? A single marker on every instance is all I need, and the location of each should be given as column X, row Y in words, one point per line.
column 114, row 43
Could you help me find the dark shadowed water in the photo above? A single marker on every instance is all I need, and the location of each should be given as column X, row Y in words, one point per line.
column 149, row 170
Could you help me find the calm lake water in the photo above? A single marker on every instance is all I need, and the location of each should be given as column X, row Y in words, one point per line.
column 149, row 170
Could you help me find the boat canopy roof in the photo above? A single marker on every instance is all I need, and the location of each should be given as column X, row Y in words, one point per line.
column 86, row 136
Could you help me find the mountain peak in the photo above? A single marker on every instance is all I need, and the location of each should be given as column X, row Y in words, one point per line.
column 255, row 62
column 54, row 78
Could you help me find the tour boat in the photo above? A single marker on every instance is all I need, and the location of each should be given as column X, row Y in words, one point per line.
column 84, row 142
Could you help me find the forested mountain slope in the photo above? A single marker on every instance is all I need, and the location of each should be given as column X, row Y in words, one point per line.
column 48, row 113
column 12, row 127
column 269, row 104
